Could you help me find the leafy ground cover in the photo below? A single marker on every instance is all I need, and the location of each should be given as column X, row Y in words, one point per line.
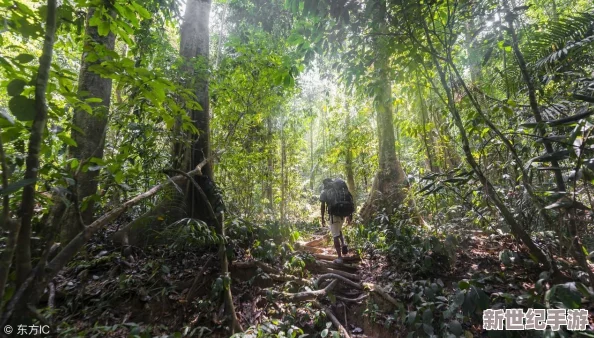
column 422, row 284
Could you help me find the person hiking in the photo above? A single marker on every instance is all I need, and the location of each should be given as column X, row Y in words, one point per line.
column 338, row 201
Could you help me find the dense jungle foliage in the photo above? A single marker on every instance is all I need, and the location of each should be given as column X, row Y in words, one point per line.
column 162, row 163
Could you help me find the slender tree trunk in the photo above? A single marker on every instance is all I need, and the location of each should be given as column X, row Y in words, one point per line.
column 312, row 172
column 426, row 139
column 473, row 59
column 90, row 130
column 23, row 251
column 270, row 166
column 350, row 175
column 532, row 98
column 490, row 191
column 220, row 40
column 283, row 207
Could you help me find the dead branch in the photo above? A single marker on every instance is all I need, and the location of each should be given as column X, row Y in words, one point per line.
column 305, row 295
column 341, row 278
column 380, row 291
column 68, row 252
column 343, row 331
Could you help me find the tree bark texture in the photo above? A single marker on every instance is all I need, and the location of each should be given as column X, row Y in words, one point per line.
column 194, row 47
column 89, row 129
column 386, row 190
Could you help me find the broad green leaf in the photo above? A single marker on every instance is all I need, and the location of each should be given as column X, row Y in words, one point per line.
column 13, row 187
column 141, row 10
column 24, row 58
column 16, row 87
column 22, row 108
column 94, row 100
column 103, row 28
column 412, row 316
column 119, row 177
column 455, row 327
column 427, row 316
column 67, row 139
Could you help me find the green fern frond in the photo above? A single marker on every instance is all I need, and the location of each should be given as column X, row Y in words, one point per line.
column 562, row 38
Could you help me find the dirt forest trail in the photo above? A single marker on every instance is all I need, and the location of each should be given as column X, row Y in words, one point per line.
column 340, row 290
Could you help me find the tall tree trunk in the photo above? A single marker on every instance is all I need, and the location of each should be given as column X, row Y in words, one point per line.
column 387, row 187
column 90, row 130
column 194, row 47
column 23, row 249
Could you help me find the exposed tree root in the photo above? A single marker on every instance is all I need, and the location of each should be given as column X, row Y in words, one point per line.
column 357, row 300
column 310, row 249
column 341, row 278
column 350, row 276
column 254, row 264
column 135, row 232
column 318, row 242
column 343, row 331
column 303, row 296
column 326, row 265
column 332, row 257
column 380, row 291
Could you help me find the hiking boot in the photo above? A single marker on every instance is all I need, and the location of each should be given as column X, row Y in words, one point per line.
column 345, row 250
column 338, row 260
